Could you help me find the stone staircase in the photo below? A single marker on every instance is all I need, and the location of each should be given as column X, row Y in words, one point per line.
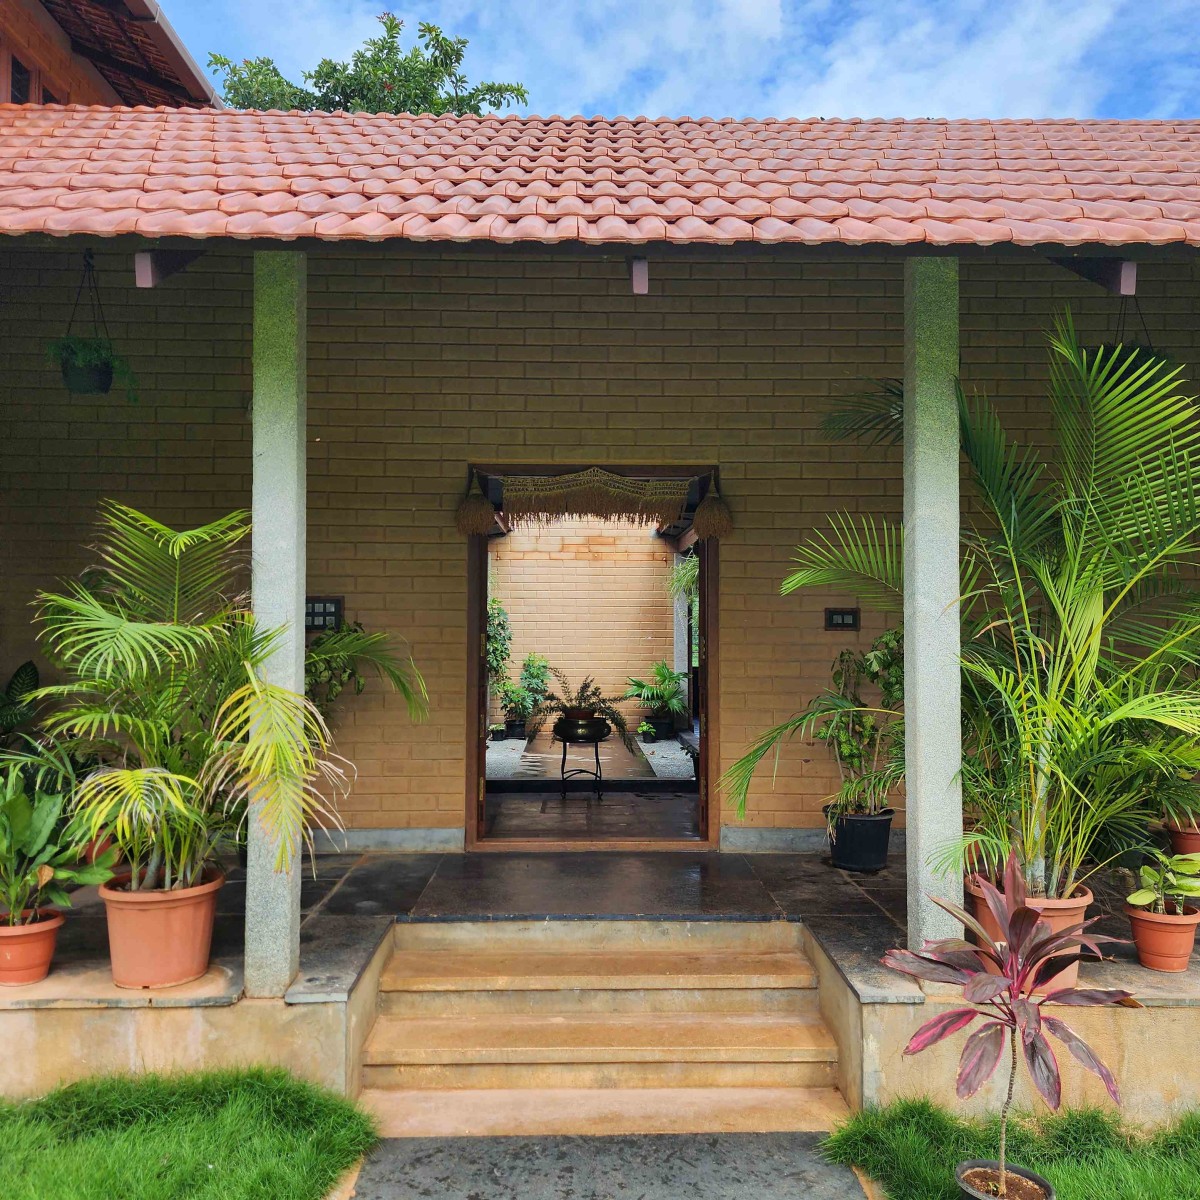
column 590, row 1027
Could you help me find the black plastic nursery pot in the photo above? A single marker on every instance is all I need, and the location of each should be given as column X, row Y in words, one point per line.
column 90, row 379
column 1016, row 1177
column 514, row 729
column 860, row 841
column 663, row 726
column 499, row 735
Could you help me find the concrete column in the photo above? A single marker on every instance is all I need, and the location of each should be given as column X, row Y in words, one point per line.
column 932, row 683
column 277, row 582
column 681, row 660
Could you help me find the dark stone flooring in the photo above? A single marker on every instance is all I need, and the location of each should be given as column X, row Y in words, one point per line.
column 596, row 884
column 616, row 814
column 727, row 1166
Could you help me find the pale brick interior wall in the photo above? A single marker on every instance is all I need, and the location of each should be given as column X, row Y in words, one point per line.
column 27, row 31
column 421, row 363
column 589, row 595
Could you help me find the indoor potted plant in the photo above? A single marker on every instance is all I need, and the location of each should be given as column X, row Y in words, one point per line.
column 39, row 859
column 497, row 731
column 164, row 692
column 663, row 696
column 535, row 677
column 518, row 708
column 581, row 706
column 647, row 732
column 1164, row 925
column 999, row 982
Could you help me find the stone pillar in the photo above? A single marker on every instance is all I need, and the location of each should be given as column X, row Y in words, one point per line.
column 932, row 683
column 277, row 582
column 681, row 658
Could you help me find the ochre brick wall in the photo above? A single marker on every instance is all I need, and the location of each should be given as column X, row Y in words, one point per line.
column 27, row 31
column 591, row 596
column 422, row 362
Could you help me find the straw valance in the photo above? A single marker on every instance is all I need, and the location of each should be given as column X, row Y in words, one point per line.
column 603, row 495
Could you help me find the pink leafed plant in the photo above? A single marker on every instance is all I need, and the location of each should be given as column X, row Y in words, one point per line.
column 999, row 980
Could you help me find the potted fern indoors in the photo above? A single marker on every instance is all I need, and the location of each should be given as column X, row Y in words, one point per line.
column 163, row 689
column 40, row 857
column 579, row 709
column 1080, row 628
column 662, row 695
column 1163, row 922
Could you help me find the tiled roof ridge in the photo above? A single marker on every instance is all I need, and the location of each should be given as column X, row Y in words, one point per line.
column 78, row 169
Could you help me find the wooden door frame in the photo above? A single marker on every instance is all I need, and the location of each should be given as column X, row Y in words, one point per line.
column 476, row 717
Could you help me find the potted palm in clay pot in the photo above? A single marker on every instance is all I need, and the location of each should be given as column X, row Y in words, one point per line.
column 164, row 691
column 1001, row 981
column 1080, row 629
column 39, row 859
column 1164, row 924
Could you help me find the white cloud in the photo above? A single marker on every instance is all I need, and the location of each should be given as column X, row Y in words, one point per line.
column 769, row 57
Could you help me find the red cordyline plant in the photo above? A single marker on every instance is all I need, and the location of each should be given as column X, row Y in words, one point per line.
column 999, row 980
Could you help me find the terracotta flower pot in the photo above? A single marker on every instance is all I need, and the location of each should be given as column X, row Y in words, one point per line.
column 26, row 950
column 1059, row 914
column 159, row 939
column 978, row 908
column 95, row 848
column 1164, row 941
column 977, row 1178
column 1184, row 840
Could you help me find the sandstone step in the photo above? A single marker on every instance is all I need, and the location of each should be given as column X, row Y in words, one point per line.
column 613, row 1111
column 600, row 1075
column 475, row 1003
column 590, row 1038
column 538, row 970
column 597, row 935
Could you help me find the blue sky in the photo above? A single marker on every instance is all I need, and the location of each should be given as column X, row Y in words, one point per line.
column 826, row 58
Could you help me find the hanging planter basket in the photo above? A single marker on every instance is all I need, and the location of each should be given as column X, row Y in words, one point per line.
column 89, row 363
column 87, row 379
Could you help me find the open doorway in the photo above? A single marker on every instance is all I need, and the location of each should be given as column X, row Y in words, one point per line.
column 620, row 606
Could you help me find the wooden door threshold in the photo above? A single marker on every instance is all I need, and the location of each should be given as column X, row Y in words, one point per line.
column 625, row 845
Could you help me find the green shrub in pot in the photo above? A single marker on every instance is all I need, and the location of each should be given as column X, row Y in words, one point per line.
column 40, row 857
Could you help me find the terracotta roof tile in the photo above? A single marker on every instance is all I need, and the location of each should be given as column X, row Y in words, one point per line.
column 368, row 176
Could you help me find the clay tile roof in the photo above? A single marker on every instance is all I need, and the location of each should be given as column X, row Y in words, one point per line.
column 365, row 176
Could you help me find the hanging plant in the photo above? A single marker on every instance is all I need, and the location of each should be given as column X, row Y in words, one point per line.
column 90, row 365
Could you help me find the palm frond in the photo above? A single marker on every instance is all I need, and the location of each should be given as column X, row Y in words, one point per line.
column 873, row 417
column 96, row 639
column 860, row 555
column 167, row 575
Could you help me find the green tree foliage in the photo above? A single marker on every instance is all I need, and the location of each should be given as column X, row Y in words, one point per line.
column 382, row 76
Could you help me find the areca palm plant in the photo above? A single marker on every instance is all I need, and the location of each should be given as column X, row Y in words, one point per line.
column 164, row 689
column 1081, row 630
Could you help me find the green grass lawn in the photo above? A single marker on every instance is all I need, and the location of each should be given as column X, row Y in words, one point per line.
column 229, row 1135
column 912, row 1148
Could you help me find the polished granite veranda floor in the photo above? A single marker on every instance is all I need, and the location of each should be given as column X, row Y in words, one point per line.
column 350, row 901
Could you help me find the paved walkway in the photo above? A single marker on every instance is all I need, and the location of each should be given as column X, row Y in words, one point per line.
column 728, row 1166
